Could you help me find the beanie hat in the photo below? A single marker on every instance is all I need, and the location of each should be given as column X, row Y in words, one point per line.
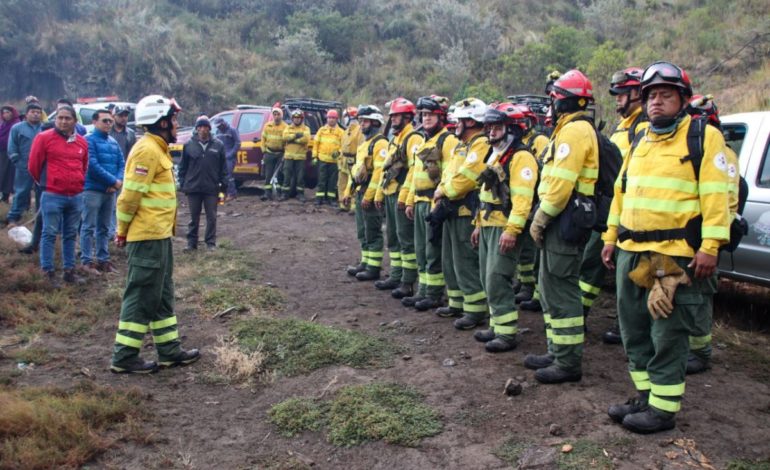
column 203, row 120
column 33, row 105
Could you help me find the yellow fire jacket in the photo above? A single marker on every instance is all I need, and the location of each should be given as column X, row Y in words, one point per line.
column 537, row 142
column 571, row 163
column 421, row 185
column 146, row 208
column 351, row 139
column 410, row 149
column 296, row 147
column 461, row 175
column 662, row 192
column 327, row 141
column 272, row 137
column 619, row 136
column 368, row 165
column 734, row 173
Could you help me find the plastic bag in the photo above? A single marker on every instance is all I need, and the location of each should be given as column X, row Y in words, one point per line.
column 20, row 235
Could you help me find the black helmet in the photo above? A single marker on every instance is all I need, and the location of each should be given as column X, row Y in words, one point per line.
column 494, row 116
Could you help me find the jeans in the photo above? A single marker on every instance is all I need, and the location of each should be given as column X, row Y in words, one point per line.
column 22, row 188
column 60, row 214
column 97, row 213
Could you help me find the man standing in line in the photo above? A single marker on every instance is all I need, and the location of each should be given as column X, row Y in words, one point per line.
column 326, row 150
column 19, row 146
column 123, row 135
column 272, row 150
column 296, row 137
column 350, row 142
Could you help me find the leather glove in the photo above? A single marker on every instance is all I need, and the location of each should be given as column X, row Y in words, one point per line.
column 298, row 135
column 668, row 276
column 539, row 222
column 336, row 154
column 642, row 274
column 658, row 302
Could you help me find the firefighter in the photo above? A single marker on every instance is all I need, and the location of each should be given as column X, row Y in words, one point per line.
column 326, row 151
column 366, row 174
column 668, row 220
column 459, row 190
column 351, row 139
column 625, row 88
column 432, row 157
column 272, row 149
column 507, row 192
column 296, row 137
column 391, row 196
column 570, row 169
column 526, row 279
column 146, row 213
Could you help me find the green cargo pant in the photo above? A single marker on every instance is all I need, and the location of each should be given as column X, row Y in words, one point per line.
column 373, row 242
column 428, row 255
column 293, row 177
column 700, row 339
column 360, row 227
column 528, row 258
column 405, row 233
column 148, row 302
column 460, row 263
column 497, row 272
column 592, row 271
column 327, row 181
column 657, row 349
column 270, row 162
column 560, row 297
column 391, row 230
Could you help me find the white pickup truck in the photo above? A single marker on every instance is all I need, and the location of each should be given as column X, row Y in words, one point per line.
column 749, row 135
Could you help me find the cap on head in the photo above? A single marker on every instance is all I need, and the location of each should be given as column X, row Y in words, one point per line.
column 203, row 121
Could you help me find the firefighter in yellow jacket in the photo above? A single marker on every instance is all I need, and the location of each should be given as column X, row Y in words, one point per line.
column 668, row 219
column 146, row 213
column 570, row 170
column 272, row 149
column 326, row 151
column 296, row 137
column 351, row 139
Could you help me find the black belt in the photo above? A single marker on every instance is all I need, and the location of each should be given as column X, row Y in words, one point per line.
column 425, row 192
column 651, row 235
column 274, row 151
column 489, row 207
column 348, row 155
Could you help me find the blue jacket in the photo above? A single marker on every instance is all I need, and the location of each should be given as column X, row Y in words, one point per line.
column 105, row 162
column 231, row 139
column 20, row 142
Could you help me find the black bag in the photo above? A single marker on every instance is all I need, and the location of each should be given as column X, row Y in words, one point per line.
column 578, row 219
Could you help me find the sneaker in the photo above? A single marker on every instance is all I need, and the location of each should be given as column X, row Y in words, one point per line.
column 633, row 405
column 53, row 280
column 70, row 277
column 501, row 344
column 136, row 366
column 538, row 361
column 182, row 359
column 554, row 374
column 106, row 267
column 468, row 322
column 649, row 421
column 482, row 336
column 90, row 269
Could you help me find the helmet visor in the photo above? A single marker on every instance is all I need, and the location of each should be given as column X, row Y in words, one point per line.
column 664, row 70
column 428, row 104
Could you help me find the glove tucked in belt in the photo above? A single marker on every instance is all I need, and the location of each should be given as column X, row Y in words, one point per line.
column 659, row 274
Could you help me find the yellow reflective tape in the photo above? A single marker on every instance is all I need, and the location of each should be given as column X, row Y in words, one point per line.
column 170, row 336
column 549, row 208
column 126, row 341
column 567, row 339
column 455, row 303
column 436, row 281
column 662, row 182
column 375, row 262
column 585, row 188
column 662, row 205
column 135, row 186
column 668, row 390
column 395, row 255
column 492, row 323
column 526, row 267
column 124, row 217
column 421, row 277
column 468, row 173
column 547, row 318
column 561, row 173
column 592, row 173
column 409, row 256
column 164, row 203
column 549, row 334
column 507, row 317
column 408, row 265
column 505, row 329
column 613, row 219
column 394, row 263
column 721, row 233
column 587, row 302
column 454, row 293
column 475, row 308
column 699, row 342
column 567, row 322
column 163, row 187
column 131, row 326
column 715, row 187
column 527, row 280
column 156, row 325
column 639, row 375
column 475, row 297
column 591, row 289
column 522, row 191
column 517, row 220
column 665, row 405
column 375, row 254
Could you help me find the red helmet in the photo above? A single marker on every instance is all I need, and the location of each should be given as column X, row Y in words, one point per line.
column 401, row 105
column 623, row 81
column 332, row 113
column 529, row 114
column 665, row 73
column 351, row 111
column 573, row 84
column 507, row 113
column 704, row 107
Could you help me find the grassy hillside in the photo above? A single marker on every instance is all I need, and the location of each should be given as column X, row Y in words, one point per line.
column 217, row 53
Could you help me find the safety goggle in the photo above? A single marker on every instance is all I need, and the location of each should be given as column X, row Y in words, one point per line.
column 621, row 77
column 664, row 70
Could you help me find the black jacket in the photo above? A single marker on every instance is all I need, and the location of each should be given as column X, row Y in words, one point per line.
column 203, row 172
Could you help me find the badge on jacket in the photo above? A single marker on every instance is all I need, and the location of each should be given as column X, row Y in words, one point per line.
column 141, row 170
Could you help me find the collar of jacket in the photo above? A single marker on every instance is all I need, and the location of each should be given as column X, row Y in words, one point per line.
column 160, row 141
column 68, row 137
column 566, row 119
column 99, row 133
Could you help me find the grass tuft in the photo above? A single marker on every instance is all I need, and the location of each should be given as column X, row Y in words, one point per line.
column 233, row 365
column 511, row 450
column 260, row 298
column 585, row 454
column 741, row 464
column 31, row 355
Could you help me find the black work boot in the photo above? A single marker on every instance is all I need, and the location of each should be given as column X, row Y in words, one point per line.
column 538, row 361
column 525, row 293
column 696, row 365
column 468, row 322
column 182, row 359
column 410, row 301
column 70, row 277
column 649, row 421
column 368, row 275
column 633, row 405
column 427, row 303
column 501, row 343
column 387, row 284
column 136, row 366
column 612, row 336
column 449, row 312
column 482, row 336
column 554, row 374
column 516, row 286
column 532, row 305
column 403, row 291
column 319, row 201
column 53, row 280
column 353, row 270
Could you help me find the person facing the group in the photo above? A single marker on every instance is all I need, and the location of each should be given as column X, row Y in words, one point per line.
column 326, row 150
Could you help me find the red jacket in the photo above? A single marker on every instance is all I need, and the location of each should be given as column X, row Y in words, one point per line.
column 57, row 164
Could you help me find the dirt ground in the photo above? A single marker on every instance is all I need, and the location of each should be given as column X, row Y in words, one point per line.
column 303, row 251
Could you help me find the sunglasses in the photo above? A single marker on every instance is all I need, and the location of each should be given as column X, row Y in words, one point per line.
column 663, row 70
column 107, row 121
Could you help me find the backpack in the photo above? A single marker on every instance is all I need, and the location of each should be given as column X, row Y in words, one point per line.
column 696, row 135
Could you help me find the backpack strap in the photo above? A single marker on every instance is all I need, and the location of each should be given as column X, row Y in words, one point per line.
column 632, row 129
column 374, row 141
column 637, row 138
column 696, row 135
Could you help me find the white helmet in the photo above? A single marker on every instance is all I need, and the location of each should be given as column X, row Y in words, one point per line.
column 369, row 111
column 153, row 108
column 470, row 108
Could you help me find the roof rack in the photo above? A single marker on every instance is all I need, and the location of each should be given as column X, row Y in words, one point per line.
column 251, row 106
column 310, row 104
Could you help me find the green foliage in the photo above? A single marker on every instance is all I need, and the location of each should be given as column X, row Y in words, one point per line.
column 361, row 413
column 741, row 464
column 296, row 347
column 584, row 454
column 510, row 451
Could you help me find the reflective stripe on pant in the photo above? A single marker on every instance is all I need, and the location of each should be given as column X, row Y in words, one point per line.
column 428, row 255
column 394, row 247
column 497, row 272
column 148, row 302
column 528, row 258
column 700, row 339
column 360, row 229
column 270, row 162
column 373, row 241
column 657, row 349
column 293, row 176
column 592, row 271
column 460, row 263
column 327, row 181
column 405, row 233
column 560, row 296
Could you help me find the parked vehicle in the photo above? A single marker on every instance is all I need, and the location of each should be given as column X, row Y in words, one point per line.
column 86, row 107
column 749, row 135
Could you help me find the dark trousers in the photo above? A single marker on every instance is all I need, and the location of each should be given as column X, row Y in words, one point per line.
column 208, row 202
column 270, row 162
column 327, row 181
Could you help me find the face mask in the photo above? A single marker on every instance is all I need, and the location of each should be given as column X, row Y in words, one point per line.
column 664, row 125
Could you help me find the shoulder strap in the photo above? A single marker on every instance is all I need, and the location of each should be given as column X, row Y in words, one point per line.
column 632, row 128
column 637, row 138
column 405, row 142
column 696, row 135
column 441, row 139
column 374, row 141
